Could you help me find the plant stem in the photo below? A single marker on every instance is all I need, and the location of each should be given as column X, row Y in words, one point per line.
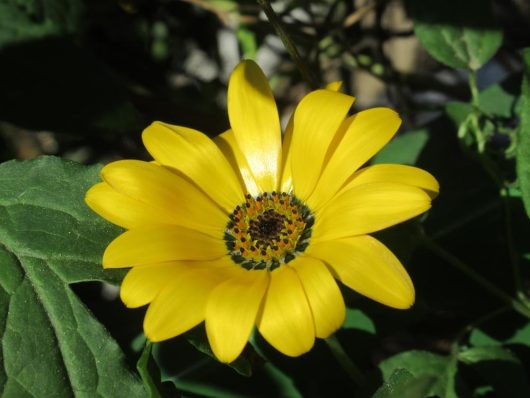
column 466, row 269
column 474, row 118
column 344, row 360
column 474, row 88
column 468, row 218
column 468, row 328
column 144, row 369
column 288, row 43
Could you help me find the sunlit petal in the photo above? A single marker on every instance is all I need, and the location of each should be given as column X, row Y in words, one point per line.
column 368, row 208
column 323, row 295
column 286, row 321
column 197, row 157
column 228, row 145
column 123, row 210
column 231, row 312
column 182, row 201
column 286, row 184
column 316, row 121
column 158, row 244
column 396, row 173
column 365, row 265
column 366, row 133
column 334, row 86
column 256, row 124
column 142, row 283
column 181, row 305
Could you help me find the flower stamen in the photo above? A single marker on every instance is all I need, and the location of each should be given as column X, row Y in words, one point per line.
column 268, row 230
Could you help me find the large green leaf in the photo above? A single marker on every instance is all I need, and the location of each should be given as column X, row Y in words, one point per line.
column 51, row 344
column 424, row 365
column 460, row 34
column 402, row 384
column 523, row 145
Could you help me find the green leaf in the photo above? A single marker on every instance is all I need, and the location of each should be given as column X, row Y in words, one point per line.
column 520, row 335
column 405, row 148
column 51, row 344
column 522, row 155
column 24, row 20
column 479, row 338
column 402, row 384
column 242, row 365
column 150, row 374
column 425, row 365
column 147, row 369
column 460, row 34
column 458, row 112
column 496, row 100
column 492, row 353
column 247, row 41
column 499, row 368
column 356, row 319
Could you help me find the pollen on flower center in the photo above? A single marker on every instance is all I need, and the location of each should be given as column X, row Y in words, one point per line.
column 268, row 230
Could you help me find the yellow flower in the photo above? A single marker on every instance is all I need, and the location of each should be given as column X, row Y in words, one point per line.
column 249, row 230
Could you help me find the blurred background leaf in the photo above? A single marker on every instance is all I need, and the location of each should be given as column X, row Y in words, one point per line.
column 456, row 33
column 27, row 20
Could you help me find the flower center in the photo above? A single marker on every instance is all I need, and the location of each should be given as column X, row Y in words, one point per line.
column 268, row 230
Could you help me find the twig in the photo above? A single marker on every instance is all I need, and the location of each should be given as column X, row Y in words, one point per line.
column 358, row 14
column 288, row 43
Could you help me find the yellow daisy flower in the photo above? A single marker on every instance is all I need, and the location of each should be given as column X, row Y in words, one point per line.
column 248, row 230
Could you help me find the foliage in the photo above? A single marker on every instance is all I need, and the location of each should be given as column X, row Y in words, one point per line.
column 44, row 325
column 81, row 79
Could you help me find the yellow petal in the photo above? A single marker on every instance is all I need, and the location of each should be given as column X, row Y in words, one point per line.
column 334, row 86
column 196, row 156
column 396, row 173
column 323, row 294
column 180, row 200
column 228, row 145
column 286, row 321
column 366, row 265
column 286, row 184
column 286, row 181
column 159, row 244
column 367, row 208
column 254, row 119
column 367, row 132
column 181, row 305
column 123, row 210
column 316, row 121
column 231, row 312
column 142, row 283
